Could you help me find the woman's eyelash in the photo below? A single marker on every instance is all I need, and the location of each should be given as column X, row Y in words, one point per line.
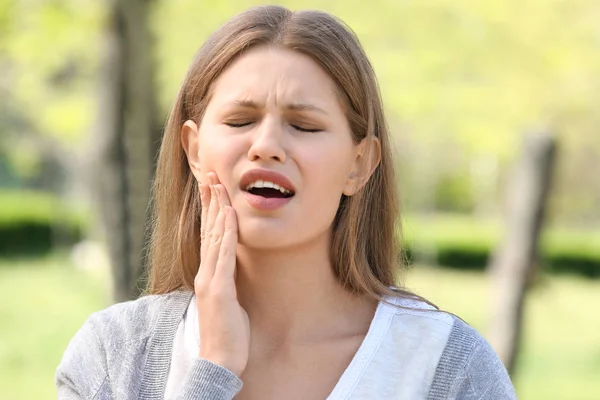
column 298, row 128
column 238, row 124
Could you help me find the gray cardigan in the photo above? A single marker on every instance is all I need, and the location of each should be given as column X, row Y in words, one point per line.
column 124, row 352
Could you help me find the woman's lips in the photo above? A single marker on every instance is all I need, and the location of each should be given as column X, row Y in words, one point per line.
column 256, row 174
column 266, row 203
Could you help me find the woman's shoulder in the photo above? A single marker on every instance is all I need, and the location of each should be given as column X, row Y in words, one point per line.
column 129, row 321
column 417, row 316
column 466, row 362
column 408, row 308
column 116, row 339
column 470, row 368
column 136, row 319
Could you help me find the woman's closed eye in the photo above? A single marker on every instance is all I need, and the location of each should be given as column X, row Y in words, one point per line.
column 238, row 124
column 305, row 129
column 299, row 128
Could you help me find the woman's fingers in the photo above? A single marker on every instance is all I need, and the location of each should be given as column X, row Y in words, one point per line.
column 210, row 211
column 213, row 211
column 222, row 196
column 226, row 263
column 214, row 245
column 205, row 201
column 214, row 198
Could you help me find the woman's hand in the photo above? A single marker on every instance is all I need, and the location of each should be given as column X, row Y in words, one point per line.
column 224, row 324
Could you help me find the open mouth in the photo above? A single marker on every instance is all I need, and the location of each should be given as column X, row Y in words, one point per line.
column 270, row 193
column 268, row 189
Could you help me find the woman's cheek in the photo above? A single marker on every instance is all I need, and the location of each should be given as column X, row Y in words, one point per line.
column 221, row 164
column 213, row 152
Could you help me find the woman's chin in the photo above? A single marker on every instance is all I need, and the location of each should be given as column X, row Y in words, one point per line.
column 264, row 242
column 266, row 235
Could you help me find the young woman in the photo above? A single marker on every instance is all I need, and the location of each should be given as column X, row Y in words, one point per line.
column 275, row 261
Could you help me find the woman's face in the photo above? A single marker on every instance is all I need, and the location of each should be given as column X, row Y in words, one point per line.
column 274, row 116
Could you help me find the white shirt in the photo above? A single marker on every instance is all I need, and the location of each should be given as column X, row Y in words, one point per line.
column 396, row 360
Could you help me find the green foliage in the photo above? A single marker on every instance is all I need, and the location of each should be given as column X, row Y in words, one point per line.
column 33, row 223
column 453, row 192
column 49, row 53
column 53, row 50
column 467, row 74
column 462, row 242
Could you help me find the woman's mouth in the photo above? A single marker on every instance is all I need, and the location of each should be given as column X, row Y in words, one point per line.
column 266, row 190
column 266, row 199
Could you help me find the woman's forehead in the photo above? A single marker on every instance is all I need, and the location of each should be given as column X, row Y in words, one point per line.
column 282, row 77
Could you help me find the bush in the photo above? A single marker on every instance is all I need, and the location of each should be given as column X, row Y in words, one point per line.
column 34, row 223
column 464, row 243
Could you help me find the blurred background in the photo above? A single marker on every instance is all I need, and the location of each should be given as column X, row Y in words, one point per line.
column 495, row 111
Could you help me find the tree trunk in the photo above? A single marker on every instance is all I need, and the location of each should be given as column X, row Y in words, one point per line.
column 513, row 265
column 125, row 142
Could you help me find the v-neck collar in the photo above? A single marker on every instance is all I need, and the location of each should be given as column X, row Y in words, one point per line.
column 368, row 348
column 160, row 346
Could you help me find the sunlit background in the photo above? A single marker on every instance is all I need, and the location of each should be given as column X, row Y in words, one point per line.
column 463, row 82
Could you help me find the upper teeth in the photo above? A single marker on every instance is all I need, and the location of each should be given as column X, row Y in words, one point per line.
column 267, row 184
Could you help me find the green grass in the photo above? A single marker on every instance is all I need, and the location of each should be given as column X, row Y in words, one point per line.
column 44, row 302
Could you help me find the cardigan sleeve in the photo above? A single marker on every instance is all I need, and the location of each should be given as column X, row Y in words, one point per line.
column 483, row 376
column 209, row 381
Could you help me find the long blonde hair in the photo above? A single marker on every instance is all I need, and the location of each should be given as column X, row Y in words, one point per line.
column 365, row 250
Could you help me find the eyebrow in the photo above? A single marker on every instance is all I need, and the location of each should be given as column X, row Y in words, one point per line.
column 292, row 107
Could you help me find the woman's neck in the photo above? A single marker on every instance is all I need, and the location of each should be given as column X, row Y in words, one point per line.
column 293, row 296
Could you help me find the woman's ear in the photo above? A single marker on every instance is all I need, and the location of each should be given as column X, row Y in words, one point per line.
column 190, row 144
column 367, row 158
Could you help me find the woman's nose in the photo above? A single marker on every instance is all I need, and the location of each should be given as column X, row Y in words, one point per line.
column 267, row 142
